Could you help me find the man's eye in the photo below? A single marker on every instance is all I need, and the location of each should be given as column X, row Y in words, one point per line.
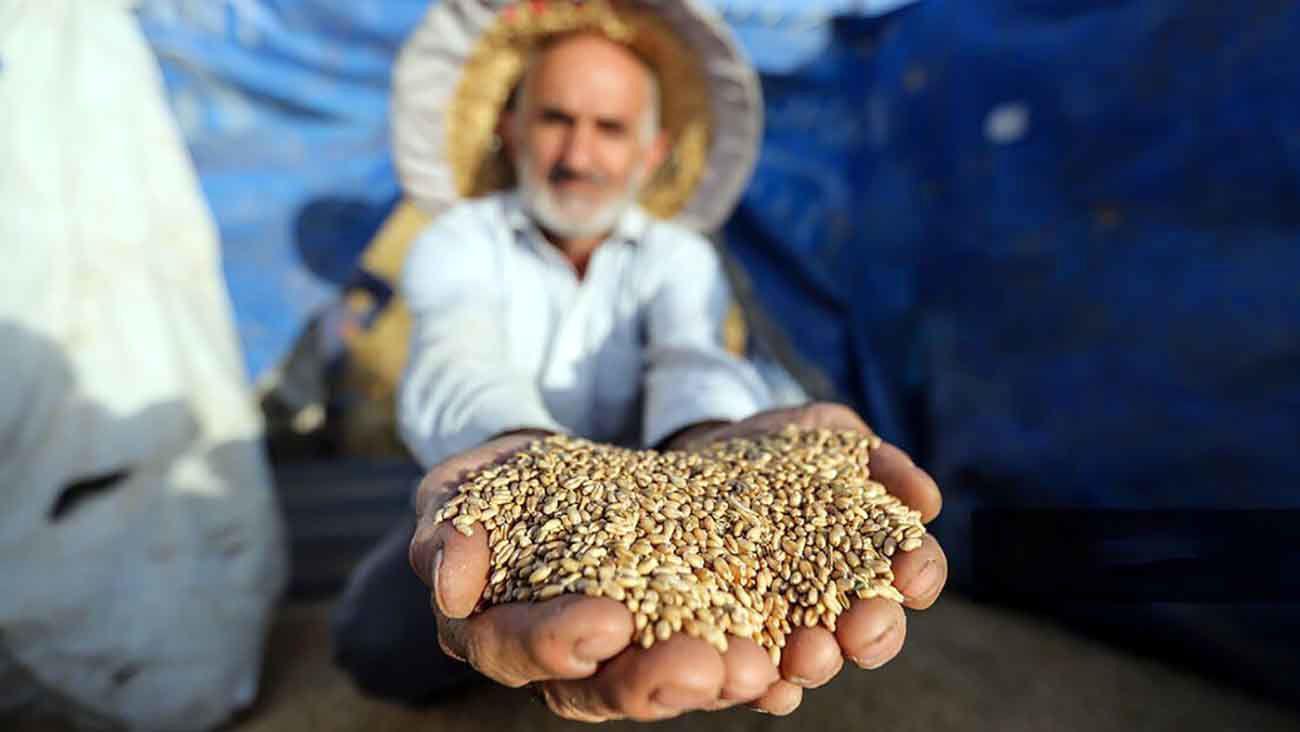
column 612, row 129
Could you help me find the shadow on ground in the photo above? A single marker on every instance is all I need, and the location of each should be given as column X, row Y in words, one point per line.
column 965, row 667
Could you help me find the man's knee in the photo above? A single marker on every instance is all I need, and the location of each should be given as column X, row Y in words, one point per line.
column 358, row 647
column 395, row 658
column 383, row 630
column 367, row 628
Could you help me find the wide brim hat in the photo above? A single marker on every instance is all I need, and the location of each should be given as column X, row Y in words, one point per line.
column 459, row 68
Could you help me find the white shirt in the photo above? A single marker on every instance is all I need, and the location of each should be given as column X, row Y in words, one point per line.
column 505, row 336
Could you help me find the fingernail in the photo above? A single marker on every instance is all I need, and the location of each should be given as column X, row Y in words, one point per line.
column 923, row 582
column 675, row 697
column 799, row 681
column 871, row 664
column 874, row 661
column 437, row 565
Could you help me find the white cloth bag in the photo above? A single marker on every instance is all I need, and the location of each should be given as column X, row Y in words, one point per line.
column 141, row 550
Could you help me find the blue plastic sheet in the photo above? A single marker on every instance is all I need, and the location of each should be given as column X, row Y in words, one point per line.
column 284, row 106
column 1010, row 234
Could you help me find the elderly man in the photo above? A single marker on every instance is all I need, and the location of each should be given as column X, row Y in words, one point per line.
column 535, row 307
column 562, row 306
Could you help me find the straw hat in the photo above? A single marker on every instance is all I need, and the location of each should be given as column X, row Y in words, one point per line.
column 458, row 70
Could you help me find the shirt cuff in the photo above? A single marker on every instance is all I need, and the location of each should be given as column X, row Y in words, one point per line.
column 491, row 422
column 721, row 400
column 488, row 420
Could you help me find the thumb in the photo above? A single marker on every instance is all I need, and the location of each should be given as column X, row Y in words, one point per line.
column 454, row 566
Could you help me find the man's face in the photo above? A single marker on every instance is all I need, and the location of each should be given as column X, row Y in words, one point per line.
column 582, row 149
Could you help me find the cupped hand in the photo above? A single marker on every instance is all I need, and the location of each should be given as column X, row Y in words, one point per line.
column 576, row 649
column 870, row 632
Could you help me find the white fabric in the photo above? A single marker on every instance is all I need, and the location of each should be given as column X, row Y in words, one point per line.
column 429, row 69
column 147, row 601
column 506, row 336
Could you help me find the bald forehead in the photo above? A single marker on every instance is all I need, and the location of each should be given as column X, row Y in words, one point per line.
column 590, row 63
column 591, row 50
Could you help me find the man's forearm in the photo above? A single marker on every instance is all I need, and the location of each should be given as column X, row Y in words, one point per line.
column 527, row 431
column 448, row 406
column 691, row 436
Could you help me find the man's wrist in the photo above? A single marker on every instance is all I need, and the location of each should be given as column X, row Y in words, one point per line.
column 535, row 432
column 692, row 436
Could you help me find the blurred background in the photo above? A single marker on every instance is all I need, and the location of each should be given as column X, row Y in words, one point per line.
column 1052, row 249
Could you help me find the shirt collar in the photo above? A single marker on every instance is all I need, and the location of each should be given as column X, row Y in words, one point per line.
column 630, row 228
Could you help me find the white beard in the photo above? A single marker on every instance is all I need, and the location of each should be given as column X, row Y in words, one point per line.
column 567, row 220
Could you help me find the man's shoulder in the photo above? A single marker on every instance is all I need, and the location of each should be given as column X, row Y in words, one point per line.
column 463, row 239
column 664, row 238
column 473, row 227
column 676, row 250
column 483, row 213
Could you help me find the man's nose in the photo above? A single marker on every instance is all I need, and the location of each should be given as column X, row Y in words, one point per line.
column 578, row 154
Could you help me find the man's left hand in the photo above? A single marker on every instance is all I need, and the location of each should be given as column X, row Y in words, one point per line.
column 870, row 632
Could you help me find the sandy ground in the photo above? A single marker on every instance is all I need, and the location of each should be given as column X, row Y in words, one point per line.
column 965, row 667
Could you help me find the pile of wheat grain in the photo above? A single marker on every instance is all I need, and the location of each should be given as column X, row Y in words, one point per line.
column 751, row 538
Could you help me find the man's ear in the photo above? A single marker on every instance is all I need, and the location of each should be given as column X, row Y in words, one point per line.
column 505, row 131
column 658, row 151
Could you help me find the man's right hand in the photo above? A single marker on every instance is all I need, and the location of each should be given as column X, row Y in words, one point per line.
column 576, row 648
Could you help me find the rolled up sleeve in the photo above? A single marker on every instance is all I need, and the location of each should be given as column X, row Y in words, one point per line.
column 690, row 375
column 459, row 388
